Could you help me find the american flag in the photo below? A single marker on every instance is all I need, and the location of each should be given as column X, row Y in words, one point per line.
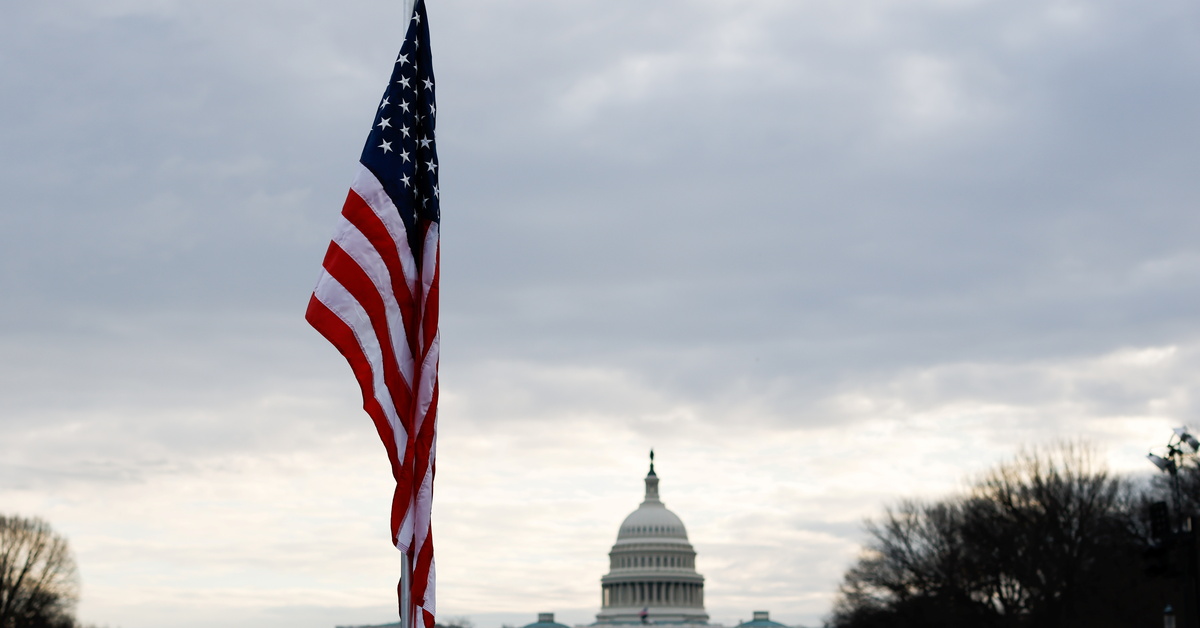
column 377, row 297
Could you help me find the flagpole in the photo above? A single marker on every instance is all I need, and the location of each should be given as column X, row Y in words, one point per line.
column 406, row 603
column 406, row 607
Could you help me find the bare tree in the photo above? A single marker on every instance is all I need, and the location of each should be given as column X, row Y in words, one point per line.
column 1049, row 528
column 1049, row 539
column 918, row 571
column 39, row 584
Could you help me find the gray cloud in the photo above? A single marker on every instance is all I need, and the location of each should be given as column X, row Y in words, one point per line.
column 660, row 220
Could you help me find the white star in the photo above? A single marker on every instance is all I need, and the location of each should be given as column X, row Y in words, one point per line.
column 404, row 82
column 404, row 179
column 403, row 156
column 432, row 110
column 384, row 123
column 417, row 18
column 432, row 166
column 386, row 146
column 424, row 142
column 384, row 103
column 402, row 59
column 428, row 84
column 404, row 105
column 404, row 131
column 437, row 192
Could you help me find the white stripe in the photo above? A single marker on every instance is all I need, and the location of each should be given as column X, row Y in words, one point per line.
column 430, row 589
column 430, row 601
column 429, row 263
column 404, row 536
column 424, row 510
column 360, row 249
column 339, row 301
column 425, row 501
column 372, row 193
column 424, row 387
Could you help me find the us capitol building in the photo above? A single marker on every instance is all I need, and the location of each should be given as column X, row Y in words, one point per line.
column 652, row 575
column 652, row 569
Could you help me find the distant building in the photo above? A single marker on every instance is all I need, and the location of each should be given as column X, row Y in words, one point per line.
column 652, row 575
column 762, row 619
column 545, row 620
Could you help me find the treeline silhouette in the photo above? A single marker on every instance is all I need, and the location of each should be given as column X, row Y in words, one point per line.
column 1048, row 539
column 39, row 584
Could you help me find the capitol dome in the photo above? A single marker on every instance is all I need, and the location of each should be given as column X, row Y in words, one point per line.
column 652, row 568
column 651, row 519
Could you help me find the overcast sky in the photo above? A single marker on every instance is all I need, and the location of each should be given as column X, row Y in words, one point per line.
column 820, row 254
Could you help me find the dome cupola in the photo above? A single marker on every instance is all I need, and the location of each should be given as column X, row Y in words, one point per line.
column 651, row 519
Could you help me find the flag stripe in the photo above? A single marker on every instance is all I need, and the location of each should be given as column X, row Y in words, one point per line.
column 426, row 425
column 431, row 275
column 362, row 349
column 371, row 192
column 335, row 297
column 396, row 288
column 423, row 567
column 351, row 273
column 342, row 336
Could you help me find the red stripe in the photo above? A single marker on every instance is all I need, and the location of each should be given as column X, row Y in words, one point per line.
column 422, row 566
column 339, row 334
column 400, row 500
column 425, row 436
column 362, row 216
column 424, row 466
column 354, row 279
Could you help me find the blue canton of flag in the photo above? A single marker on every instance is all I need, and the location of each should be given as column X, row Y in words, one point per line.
column 400, row 150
